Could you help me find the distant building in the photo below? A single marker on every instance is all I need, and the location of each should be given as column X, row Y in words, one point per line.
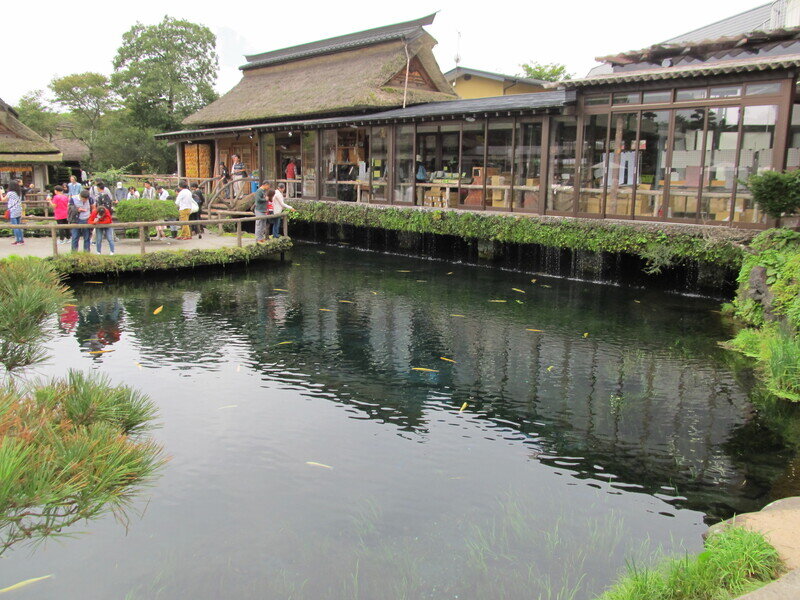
column 472, row 83
column 24, row 154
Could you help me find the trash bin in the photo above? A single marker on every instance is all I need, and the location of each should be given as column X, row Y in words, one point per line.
column 253, row 187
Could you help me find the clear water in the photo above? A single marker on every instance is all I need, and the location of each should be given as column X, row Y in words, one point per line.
column 329, row 468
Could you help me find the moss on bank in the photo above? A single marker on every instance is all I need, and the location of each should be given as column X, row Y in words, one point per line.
column 768, row 301
column 658, row 244
column 735, row 561
column 84, row 263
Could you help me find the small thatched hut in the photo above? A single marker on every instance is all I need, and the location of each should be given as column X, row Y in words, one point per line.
column 24, row 154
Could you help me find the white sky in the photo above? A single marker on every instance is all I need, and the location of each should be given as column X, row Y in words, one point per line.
column 495, row 36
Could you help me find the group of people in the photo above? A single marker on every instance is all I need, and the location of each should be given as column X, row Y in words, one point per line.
column 269, row 201
column 238, row 172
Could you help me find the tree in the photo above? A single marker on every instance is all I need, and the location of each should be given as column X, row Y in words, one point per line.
column 88, row 97
column 35, row 113
column 165, row 72
column 545, row 71
column 121, row 142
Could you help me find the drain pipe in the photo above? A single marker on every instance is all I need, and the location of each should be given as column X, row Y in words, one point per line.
column 408, row 67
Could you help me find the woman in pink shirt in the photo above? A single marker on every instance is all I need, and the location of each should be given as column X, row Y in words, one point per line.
column 60, row 203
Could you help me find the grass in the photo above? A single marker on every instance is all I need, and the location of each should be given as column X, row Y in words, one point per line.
column 777, row 352
column 735, row 561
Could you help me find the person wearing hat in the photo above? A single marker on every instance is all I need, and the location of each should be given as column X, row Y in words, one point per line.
column 120, row 193
column 422, row 177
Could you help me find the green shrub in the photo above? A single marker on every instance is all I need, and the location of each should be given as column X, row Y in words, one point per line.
column 735, row 561
column 129, row 211
column 776, row 193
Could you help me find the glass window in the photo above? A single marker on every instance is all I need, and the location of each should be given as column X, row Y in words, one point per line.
column 763, row 89
column 690, row 94
column 351, row 166
column 308, row 173
column 593, row 164
column 720, row 162
column 404, row 171
column 729, row 91
column 793, row 155
column 626, row 98
column 599, row 100
column 657, row 97
column 528, row 166
column 267, row 157
column 473, row 141
column 622, row 164
column 758, row 139
column 329, row 162
column 378, row 156
column 498, row 164
column 561, row 185
column 686, row 169
column 653, row 135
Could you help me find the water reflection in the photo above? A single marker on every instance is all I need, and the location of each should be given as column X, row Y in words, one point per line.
column 593, row 413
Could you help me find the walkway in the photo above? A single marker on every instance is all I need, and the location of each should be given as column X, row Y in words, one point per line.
column 43, row 246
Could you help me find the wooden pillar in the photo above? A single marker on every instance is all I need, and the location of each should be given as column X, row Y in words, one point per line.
column 141, row 240
column 285, row 226
column 181, row 167
column 54, row 237
column 239, row 234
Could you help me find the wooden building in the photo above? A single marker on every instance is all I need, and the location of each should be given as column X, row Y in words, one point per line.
column 666, row 133
column 473, row 83
column 24, row 154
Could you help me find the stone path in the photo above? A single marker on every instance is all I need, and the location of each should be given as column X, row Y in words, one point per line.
column 43, row 246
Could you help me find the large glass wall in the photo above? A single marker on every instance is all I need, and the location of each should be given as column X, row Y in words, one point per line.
column 473, row 175
column 308, row 174
column 722, row 138
column 404, row 165
column 594, row 160
column 756, row 156
column 528, row 166
column 437, row 168
column 687, row 163
column 561, row 180
column 328, row 153
column 499, row 161
column 378, row 159
column 623, row 164
column 267, row 170
column 652, row 163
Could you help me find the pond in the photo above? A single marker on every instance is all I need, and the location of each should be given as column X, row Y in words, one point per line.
column 360, row 425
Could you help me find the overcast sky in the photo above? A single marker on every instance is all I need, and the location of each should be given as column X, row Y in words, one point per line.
column 495, row 36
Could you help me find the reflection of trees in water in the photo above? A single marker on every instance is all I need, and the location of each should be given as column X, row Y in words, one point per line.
column 646, row 399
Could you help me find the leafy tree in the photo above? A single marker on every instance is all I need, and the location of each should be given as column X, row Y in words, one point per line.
column 35, row 113
column 165, row 72
column 545, row 71
column 121, row 142
column 88, row 97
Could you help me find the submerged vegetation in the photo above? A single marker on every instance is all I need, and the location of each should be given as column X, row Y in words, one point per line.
column 735, row 561
column 660, row 248
column 768, row 301
column 71, row 448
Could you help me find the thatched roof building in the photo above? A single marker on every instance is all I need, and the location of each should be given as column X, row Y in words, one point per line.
column 360, row 72
column 20, row 144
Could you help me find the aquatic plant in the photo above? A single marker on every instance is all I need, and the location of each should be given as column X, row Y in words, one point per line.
column 735, row 561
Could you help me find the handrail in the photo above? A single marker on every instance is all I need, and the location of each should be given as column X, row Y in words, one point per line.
column 141, row 225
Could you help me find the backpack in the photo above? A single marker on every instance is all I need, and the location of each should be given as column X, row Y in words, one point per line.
column 72, row 211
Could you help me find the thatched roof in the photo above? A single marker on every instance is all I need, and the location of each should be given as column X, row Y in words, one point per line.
column 353, row 80
column 19, row 143
column 73, row 149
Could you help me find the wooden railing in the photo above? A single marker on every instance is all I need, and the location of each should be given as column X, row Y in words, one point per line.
column 144, row 226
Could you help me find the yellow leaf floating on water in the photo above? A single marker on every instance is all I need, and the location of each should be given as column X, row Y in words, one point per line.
column 374, row 293
column 99, row 351
column 424, row 370
column 346, row 301
column 450, row 360
column 533, row 281
column 282, row 343
column 536, row 330
column 158, row 310
column 311, row 463
column 463, row 407
column 546, row 286
column 638, row 301
column 403, row 271
column 279, row 290
column 326, row 310
column 461, row 316
column 519, row 301
column 422, row 281
column 95, row 282
column 498, row 301
column 451, row 272
column 22, row 584
column 228, row 406
column 550, row 368
column 518, row 290
column 586, row 334
column 320, row 251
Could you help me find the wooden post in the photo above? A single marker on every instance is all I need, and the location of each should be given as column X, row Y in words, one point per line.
column 239, row 234
column 55, row 239
column 285, row 226
column 220, row 228
column 141, row 240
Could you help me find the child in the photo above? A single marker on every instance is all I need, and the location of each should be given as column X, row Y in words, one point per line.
column 102, row 216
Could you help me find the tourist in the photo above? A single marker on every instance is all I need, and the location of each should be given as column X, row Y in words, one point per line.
column 73, row 187
column 13, row 198
column 198, row 197
column 103, row 197
column 239, row 172
column 102, row 216
column 120, row 193
column 185, row 203
column 161, row 193
column 81, row 212
column 133, row 194
column 149, row 192
column 224, row 179
column 421, row 176
column 291, row 175
column 60, row 204
column 262, row 208
column 278, row 206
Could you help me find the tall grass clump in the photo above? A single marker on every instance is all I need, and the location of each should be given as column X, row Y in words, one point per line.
column 735, row 561
column 71, row 448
